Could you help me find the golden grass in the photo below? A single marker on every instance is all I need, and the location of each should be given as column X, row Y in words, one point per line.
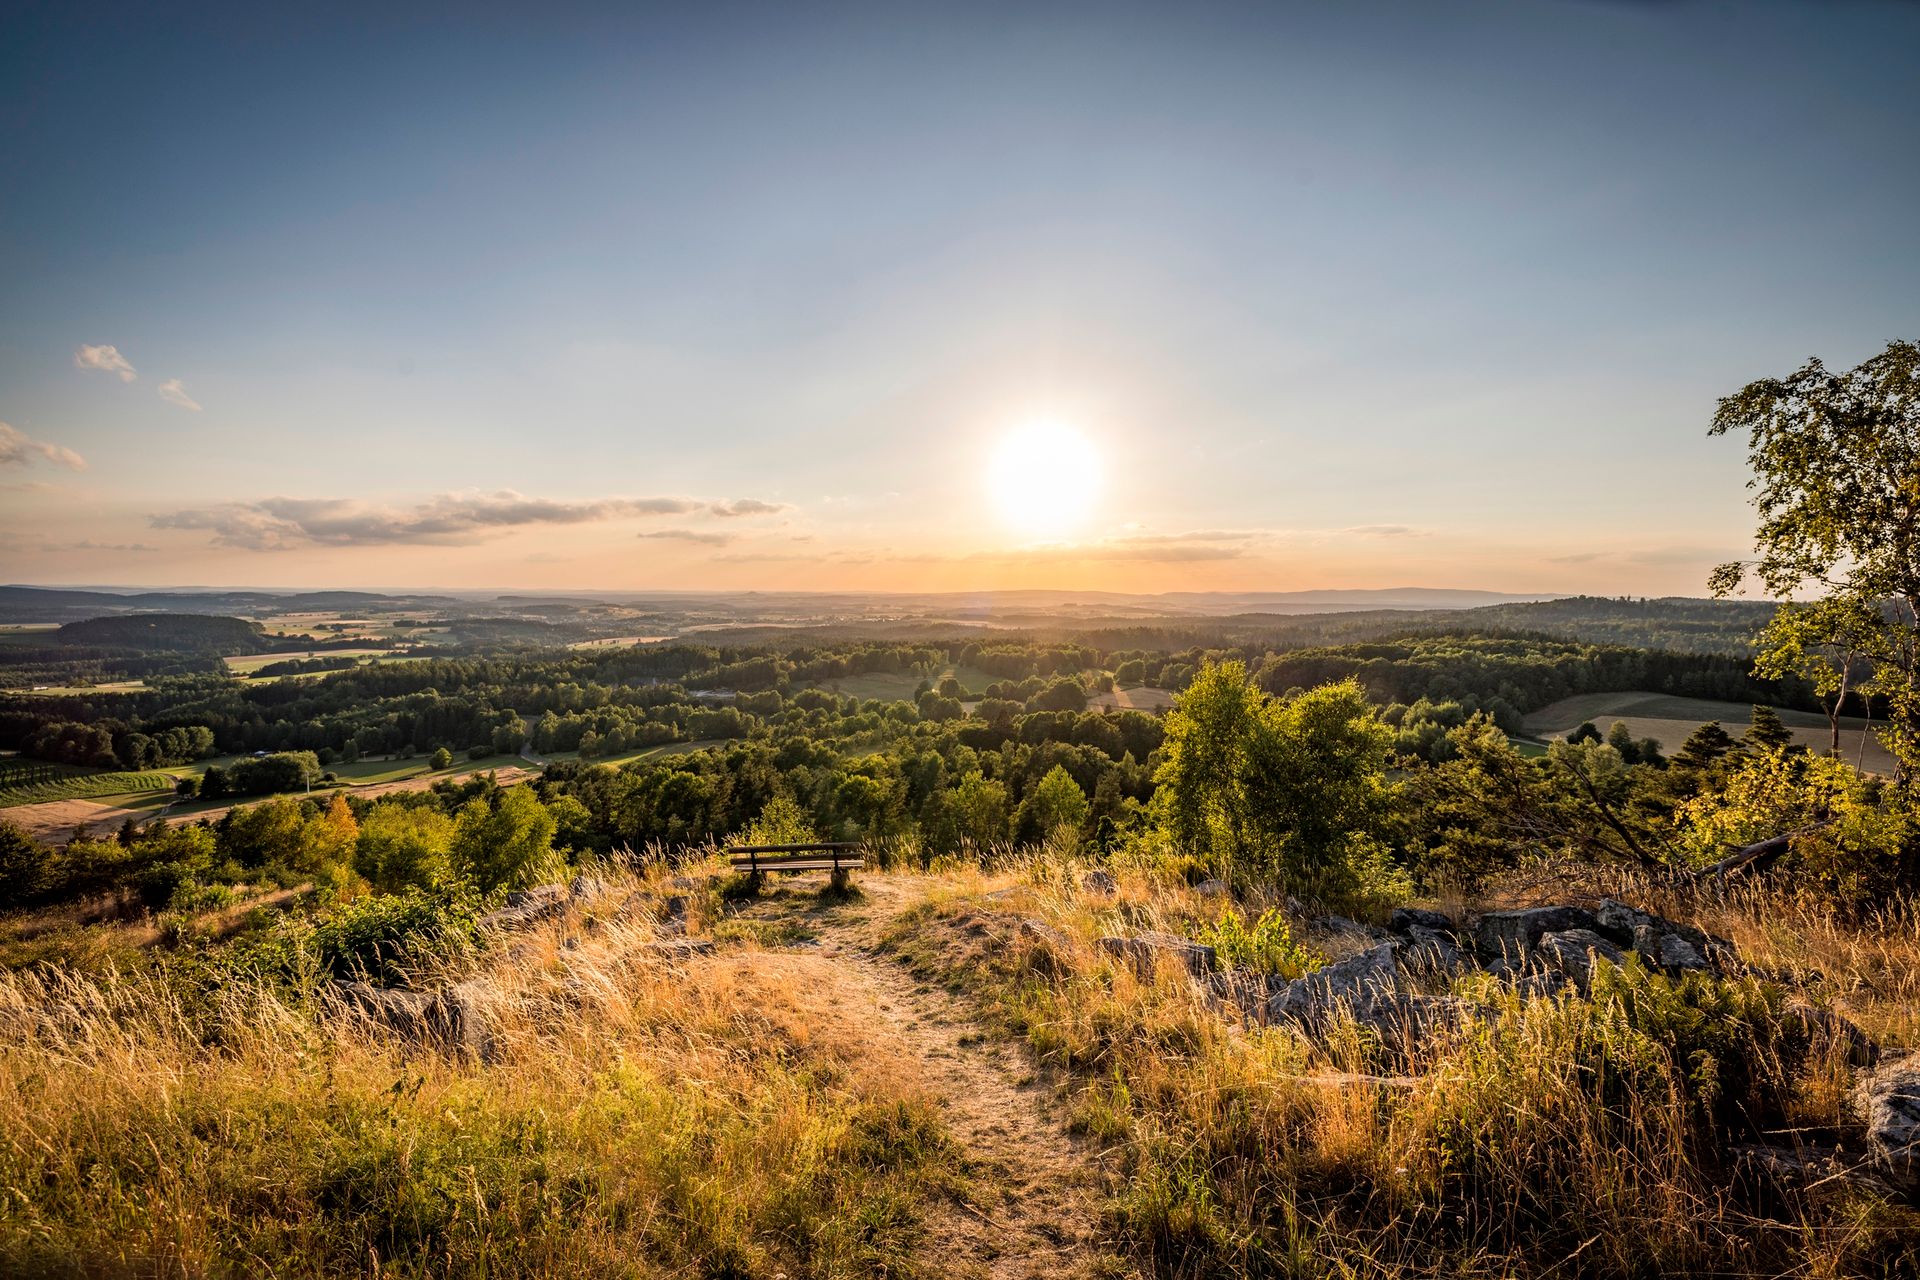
column 626, row 1120
column 1557, row 1136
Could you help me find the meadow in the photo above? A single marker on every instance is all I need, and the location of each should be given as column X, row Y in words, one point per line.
column 1668, row 720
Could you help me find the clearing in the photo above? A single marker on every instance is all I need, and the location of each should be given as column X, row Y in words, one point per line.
column 1139, row 698
column 1668, row 720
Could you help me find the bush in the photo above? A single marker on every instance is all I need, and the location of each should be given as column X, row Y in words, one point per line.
column 1267, row 948
column 379, row 938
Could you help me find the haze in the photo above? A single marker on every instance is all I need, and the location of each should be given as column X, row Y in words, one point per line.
column 724, row 297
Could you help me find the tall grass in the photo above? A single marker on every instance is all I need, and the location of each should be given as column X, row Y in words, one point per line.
column 1558, row 1135
column 625, row 1120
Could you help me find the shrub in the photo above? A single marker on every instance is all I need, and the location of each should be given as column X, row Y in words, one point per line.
column 1268, row 947
column 380, row 937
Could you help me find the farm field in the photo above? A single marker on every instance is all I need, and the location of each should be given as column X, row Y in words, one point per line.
column 645, row 753
column 242, row 664
column 1668, row 720
column 36, row 781
column 1139, row 698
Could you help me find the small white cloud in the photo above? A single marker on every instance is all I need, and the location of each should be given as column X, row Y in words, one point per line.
column 173, row 393
column 17, row 449
column 104, row 359
column 702, row 537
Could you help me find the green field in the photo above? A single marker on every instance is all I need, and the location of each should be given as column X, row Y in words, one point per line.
column 35, row 781
column 1668, row 720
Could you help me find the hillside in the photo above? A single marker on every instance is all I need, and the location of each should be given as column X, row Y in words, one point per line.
column 167, row 633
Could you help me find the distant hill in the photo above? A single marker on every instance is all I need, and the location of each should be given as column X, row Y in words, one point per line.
column 166, row 633
column 45, row 604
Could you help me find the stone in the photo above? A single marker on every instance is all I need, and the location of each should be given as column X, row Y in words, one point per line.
column 1656, row 940
column 1412, row 1016
column 529, row 906
column 1860, row 1049
column 1144, row 951
column 585, row 888
column 1431, row 951
column 1405, row 919
column 452, row 1018
column 1099, row 882
column 1343, row 926
column 1211, row 888
column 1353, row 981
column 1572, row 952
column 1512, row 935
column 1889, row 1100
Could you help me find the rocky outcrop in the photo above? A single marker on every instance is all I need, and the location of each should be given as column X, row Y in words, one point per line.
column 1354, row 981
column 453, row 1018
column 1571, row 952
column 1512, row 936
column 1145, row 951
column 1099, row 883
column 1889, row 1101
column 526, row 907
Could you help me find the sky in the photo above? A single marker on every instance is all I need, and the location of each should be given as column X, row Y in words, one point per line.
column 928, row 297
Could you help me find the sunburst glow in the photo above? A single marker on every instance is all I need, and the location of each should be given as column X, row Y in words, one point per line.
column 1044, row 477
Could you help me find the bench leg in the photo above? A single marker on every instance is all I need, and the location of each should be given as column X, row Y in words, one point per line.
column 840, row 879
column 756, row 880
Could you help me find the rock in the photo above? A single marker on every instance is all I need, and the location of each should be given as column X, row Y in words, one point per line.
column 1512, row 935
column 1211, row 888
column 529, row 906
column 1431, row 951
column 1144, row 952
column 1354, row 981
column 1860, row 1049
column 1406, row 919
column 1344, row 927
column 1572, row 952
column 1807, row 1167
column 1413, row 1016
column 584, row 888
column 1658, row 941
column 1099, row 882
column 452, row 1018
column 1889, row 1099
column 1044, row 934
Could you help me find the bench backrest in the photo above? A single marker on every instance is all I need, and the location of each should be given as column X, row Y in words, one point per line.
column 771, row 857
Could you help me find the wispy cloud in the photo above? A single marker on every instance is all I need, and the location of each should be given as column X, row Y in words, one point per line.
column 748, row 507
column 18, row 449
column 88, row 544
column 173, row 393
column 103, row 359
column 452, row 519
column 706, row 538
column 1384, row 531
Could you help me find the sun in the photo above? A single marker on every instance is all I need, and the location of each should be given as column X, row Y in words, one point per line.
column 1043, row 478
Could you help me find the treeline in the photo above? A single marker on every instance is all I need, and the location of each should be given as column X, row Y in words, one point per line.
column 612, row 701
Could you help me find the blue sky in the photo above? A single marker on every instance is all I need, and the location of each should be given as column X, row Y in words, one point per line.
column 1354, row 295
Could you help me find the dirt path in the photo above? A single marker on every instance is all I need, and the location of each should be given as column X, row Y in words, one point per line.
column 1035, row 1211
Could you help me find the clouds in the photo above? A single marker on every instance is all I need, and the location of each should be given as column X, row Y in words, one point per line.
column 702, row 537
column 173, row 393
column 747, row 507
column 452, row 519
column 104, row 358
column 18, row 449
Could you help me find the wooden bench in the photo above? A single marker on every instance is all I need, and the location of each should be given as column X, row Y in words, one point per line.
column 841, row 858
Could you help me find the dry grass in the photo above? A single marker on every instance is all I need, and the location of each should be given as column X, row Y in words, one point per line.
column 1558, row 1136
column 625, row 1120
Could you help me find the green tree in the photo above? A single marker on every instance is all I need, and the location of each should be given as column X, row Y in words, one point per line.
column 505, row 845
column 1767, row 732
column 441, row 759
column 1056, row 808
column 404, row 846
column 1836, row 463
